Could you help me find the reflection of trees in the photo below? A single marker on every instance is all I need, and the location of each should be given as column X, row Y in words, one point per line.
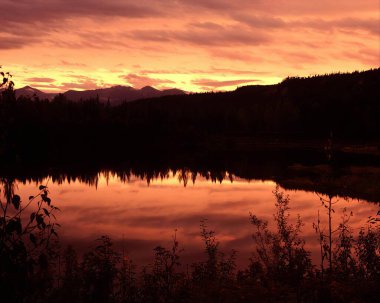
column 183, row 175
column 8, row 185
column 280, row 268
column 342, row 175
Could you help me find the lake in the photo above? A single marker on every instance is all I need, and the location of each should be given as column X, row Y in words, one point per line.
column 142, row 211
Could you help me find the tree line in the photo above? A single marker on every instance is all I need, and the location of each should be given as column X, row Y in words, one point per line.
column 344, row 107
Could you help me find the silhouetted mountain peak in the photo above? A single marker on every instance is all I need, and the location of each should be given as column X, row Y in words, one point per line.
column 115, row 94
column 28, row 91
column 174, row 91
column 29, row 88
column 149, row 88
column 118, row 94
column 124, row 87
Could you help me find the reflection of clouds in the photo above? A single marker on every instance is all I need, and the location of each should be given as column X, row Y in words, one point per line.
column 140, row 217
column 223, row 205
column 235, row 189
column 70, row 191
column 242, row 241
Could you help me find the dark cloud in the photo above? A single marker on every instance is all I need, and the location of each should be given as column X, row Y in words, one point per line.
column 40, row 10
column 212, row 4
column 211, row 70
column 294, row 34
column 151, row 35
column 227, row 37
column 370, row 25
column 207, row 25
column 89, row 40
column 302, row 7
column 42, row 80
column 27, row 23
column 14, row 42
column 33, row 22
column 260, row 21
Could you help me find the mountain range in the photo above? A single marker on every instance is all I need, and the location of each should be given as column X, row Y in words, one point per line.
column 115, row 95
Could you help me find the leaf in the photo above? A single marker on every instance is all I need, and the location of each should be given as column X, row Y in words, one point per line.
column 46, row 199
column 31, row 198
column 40, row 220
column 14, row 226
column 46, row 212
column 32, row 216
column 33, row 239
column 42, row 187
column 16, row 200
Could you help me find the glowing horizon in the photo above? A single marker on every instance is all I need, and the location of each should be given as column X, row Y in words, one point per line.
column 193, row 45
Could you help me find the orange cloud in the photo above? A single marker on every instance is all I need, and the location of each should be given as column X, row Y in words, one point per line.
column 178, row 42
column 141, row 81
column 208, row 84
column 42, row 80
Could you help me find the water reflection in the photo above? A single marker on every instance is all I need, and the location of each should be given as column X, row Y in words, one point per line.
column 354, row 176
column 140, row 211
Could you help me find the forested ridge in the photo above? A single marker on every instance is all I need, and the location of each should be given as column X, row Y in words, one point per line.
column 344, row 107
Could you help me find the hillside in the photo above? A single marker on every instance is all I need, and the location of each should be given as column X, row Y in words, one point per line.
column 30, row 92
column 294, row 114
column 119, row 94
column 346, row 105
column 114, row 95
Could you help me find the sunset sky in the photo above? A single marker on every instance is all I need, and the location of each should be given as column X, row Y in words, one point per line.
column 195, row 45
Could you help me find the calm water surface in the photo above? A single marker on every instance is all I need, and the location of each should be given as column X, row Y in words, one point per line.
column 139, row 216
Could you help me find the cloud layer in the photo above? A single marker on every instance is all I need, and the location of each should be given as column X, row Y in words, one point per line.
column 117, row 41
